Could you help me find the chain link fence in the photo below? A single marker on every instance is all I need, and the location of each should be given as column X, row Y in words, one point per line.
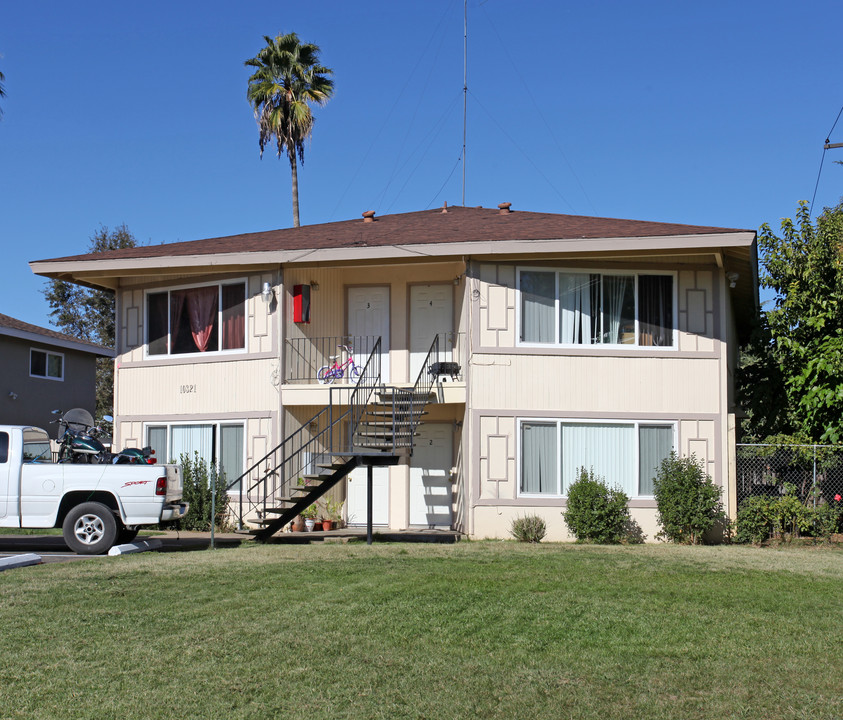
column 815, row 471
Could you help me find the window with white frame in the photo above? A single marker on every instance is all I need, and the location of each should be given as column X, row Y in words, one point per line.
column 46, row 364
column 587, row 308
column 209, row 318
column 625, row 454
column 220, row 444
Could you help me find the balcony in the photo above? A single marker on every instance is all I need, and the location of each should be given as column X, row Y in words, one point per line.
column 310, row 368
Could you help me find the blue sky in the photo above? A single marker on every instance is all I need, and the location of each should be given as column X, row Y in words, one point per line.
column 701, row 113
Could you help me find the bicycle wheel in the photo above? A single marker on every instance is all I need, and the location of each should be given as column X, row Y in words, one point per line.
column 354, row 374
column 325, row 375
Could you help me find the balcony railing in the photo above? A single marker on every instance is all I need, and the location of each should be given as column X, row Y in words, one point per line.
column 306, row 356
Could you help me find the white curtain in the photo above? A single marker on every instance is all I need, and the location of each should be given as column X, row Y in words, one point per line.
column 575, row 308
column 539, row 458
column 538, row 306
column 617, row 294
column 606, row 449
column 188, row 439
column 654, row 444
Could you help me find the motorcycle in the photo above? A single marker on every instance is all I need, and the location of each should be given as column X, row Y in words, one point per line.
column 81, row 441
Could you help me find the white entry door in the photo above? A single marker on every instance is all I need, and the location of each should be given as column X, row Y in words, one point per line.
column 368, row 314
column 357, row 496
column 431, row 312
column 430, row 484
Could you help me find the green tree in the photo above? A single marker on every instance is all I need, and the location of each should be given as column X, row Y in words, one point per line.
column 793, row 381
column 286, row 80
column 89, row 314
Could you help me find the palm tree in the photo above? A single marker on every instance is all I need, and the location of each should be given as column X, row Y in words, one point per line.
column 287, row 78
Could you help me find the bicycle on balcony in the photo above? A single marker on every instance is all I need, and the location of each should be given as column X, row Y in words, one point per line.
column 328, row 373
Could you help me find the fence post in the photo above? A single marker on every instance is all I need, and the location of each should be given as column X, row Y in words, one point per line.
column 814, row 484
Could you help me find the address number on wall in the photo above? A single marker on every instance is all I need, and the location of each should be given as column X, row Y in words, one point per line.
column 184, row 389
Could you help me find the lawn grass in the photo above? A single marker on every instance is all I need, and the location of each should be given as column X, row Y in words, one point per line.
column 473, row 630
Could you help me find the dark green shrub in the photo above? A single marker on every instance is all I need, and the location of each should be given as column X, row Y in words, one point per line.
column 755, row 520
column 199, row 481
column 596, row 512
column 827, row 520
column 781, row 518
column 688, row 501
column 530, row 528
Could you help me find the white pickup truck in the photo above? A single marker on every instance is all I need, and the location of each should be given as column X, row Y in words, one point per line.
column 96, row 506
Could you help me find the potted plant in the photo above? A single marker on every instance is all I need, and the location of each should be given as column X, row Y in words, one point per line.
column 310, row 514
column 331, row 513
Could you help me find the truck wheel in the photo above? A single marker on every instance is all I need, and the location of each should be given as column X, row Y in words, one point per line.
column 90, row 529
column 124, row 535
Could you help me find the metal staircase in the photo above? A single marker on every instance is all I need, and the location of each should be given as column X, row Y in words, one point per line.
column 365, row 424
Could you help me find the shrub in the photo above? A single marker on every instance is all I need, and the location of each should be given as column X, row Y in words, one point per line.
column 199, row 480
column 688, row 501
column 530, row 528
column 762, row 518
column 755, row 520
column 596, row 512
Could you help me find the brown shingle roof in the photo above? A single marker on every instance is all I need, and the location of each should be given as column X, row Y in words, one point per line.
column 458, row 224
column 19, row 326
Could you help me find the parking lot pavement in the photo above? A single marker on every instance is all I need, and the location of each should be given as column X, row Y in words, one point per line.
column 52, row 549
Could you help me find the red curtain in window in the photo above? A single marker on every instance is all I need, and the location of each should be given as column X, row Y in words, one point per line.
column 202, row 311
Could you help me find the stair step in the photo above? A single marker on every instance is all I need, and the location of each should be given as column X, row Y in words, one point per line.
column 381, row 445
column 389, row 413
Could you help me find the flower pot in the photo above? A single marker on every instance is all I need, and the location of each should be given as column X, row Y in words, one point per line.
column 327, row 525
column 298, row 524
column 309, row 522
column 317, row 526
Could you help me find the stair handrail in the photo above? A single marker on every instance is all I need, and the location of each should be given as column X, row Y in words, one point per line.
column 423, row 386
column 279, row 461
column 368, row 382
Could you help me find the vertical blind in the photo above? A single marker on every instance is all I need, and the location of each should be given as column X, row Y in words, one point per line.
column 554, row 453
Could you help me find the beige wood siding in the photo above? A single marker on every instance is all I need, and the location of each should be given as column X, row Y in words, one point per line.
column 198, row 389
column 595, row 385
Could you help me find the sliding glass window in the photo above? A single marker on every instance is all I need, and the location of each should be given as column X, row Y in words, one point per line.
column 624, row 454
column 586, row 308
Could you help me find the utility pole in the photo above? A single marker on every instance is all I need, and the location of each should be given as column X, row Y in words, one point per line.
column 464, row 88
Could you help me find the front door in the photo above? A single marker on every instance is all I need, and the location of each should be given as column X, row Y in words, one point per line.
column 430, row 469
column 357, row 496
column 368, row 314
column 431, row 312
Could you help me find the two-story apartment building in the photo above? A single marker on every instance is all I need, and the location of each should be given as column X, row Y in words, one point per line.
column 581, row 342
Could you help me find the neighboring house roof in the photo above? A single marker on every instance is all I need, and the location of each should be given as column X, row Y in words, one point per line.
column 12, row 327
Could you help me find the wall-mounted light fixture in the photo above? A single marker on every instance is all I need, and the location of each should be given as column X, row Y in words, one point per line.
column 314, row 285
column 13, row 395
column 732, row 277
column 266, row 293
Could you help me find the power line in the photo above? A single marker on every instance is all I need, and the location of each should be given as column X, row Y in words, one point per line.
column 828, row 145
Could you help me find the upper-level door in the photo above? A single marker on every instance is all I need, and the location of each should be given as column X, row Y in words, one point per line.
column 431, row 313
column 368, row 314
